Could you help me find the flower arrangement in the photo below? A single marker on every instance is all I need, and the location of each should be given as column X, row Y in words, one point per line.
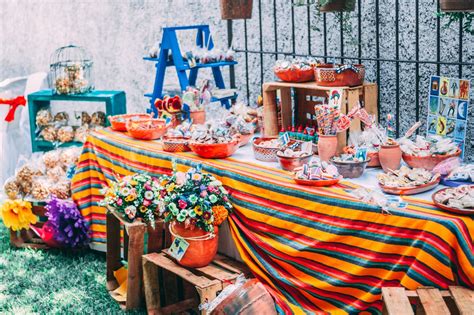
column 67, row 224
column 17, row 214
column 134, row 197
column 196, row 199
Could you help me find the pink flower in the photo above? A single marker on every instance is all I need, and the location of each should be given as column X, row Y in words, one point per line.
column 163, row 193
column 180, row 178
column 147, row 186
column 146, row 202
column 119, row 202
column 182, row 204
column 211, row 189
column 203, row 194
column 225, row 198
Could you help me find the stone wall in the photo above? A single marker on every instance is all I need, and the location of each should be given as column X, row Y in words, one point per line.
column 118, row 33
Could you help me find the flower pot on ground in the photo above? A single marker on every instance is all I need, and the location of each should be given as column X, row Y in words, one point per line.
column 336, row 5
column 390, row 156
column 327, row 147
column 195, row 204
column 456, row 5
column 236, row 9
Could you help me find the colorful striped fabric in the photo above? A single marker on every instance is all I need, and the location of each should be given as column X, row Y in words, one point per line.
column 316, row 249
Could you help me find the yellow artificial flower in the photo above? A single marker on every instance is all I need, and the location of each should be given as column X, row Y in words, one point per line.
column 130, row 197
column 142, row 209
column 220, row 214
column 171, row 187
column 198, row 210
column 164, row 182
column 17, row 214
column 133, row 182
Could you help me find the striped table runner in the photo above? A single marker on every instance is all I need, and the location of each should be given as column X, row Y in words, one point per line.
column 316, row 249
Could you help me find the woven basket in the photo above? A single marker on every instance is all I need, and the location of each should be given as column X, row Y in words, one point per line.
column 262, row 153
column 175, row 144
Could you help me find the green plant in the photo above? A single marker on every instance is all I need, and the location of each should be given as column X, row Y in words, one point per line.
column 466, row 18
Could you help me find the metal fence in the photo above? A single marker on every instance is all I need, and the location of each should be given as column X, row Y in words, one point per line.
column 374, row 56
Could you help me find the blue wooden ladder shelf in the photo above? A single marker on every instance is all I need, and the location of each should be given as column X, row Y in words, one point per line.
column 169, row 43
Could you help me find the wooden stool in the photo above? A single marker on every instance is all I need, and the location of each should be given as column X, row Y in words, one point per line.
column 26, row 238
column 429, row 300
column 207, row 281
column 133, row 249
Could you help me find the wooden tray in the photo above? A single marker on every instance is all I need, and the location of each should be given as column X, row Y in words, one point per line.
column 449, row 209
column 318, row 183
column 410, row 190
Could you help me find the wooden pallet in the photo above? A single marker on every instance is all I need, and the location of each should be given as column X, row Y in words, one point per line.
column 366, row 94
column 207, row 281
column 133, row 249
column 26, row 238
column 429, row 300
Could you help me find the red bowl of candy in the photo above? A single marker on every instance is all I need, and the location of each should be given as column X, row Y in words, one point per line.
column 147, row 129
column 119, row 122
column 427, row 162
column 339, row 75
column 295, row 74
column 175, row 144
column 215, row 150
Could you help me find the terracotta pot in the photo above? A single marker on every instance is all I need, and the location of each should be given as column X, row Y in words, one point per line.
column 327, row 147
column 200, row 253
column 198, row 117
column 236, row 9
column 374, row 159
column 338, row 5
column 390, row 157
column 456, row 5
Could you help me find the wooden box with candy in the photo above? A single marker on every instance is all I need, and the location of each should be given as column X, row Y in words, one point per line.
column 298, row 101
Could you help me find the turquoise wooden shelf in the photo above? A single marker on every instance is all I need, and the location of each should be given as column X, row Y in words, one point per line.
column 115, row 104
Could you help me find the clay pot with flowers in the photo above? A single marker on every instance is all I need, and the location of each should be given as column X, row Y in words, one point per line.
column 195, row 204
column 134, row 197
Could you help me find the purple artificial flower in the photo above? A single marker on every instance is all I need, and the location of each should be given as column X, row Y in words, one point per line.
column 70, row 228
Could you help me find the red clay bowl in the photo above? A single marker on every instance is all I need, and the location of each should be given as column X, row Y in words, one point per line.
column 146, row 129
column 427, row 162
column 119, row 122
column 450, row 209
column 244, row 139
column 317, row 182
column 410, row 190
column 295, row 75
column 290, row 163
column 176, row 144
column 374, row 159
column 332, row 75
column 215, row 150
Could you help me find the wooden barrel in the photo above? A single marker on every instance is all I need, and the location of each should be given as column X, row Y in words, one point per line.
column 456, row 5
column 236, row 9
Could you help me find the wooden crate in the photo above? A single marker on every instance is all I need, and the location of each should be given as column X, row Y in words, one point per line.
column 26, row 238
column 207, row 281
column 428, row 300
column 133, row 249
column 366, row 94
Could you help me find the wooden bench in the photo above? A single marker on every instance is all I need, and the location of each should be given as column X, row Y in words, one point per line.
column 207, row 281
column 133, row 249
column 428, row 300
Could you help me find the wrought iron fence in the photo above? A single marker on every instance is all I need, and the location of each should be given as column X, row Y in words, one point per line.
column 372, row 53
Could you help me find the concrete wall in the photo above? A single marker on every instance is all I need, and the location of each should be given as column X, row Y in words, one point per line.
column 118, row 33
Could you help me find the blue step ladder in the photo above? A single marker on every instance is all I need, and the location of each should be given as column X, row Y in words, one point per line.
column 170, row 44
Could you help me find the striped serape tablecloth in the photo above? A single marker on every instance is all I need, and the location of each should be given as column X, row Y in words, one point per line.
column 316, row 249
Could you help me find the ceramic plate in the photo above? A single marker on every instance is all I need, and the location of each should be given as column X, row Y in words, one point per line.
column 410, row 190
column 445, row 207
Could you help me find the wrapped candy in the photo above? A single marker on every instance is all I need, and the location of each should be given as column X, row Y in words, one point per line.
column 49, row 133
column 65, row 134
column 40, row 188
column 81, row 133
column 11, row 188
column 98, row 118
column 43, row 118
column 433, row 145
column 61, row 189
column 61, row 117
column 51, row 159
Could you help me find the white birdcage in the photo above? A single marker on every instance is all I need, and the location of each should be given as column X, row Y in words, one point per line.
column 71, row 70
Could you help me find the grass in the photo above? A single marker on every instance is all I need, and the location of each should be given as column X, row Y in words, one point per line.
column 52, row 281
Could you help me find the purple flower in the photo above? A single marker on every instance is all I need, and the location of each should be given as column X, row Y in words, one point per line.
column 202, row 187
column 69, row 227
